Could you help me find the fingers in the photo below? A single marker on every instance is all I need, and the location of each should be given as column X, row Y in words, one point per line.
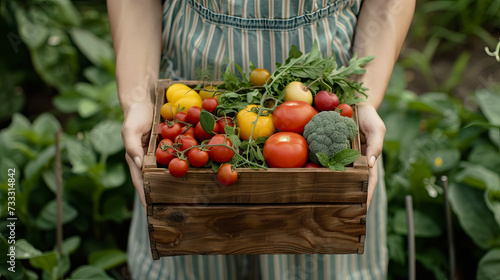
column 133, row 144
column 373, row 129
column 137, row 180
column 372, row 183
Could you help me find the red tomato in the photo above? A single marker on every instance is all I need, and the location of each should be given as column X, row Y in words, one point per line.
column 346, row 110
column 285, row 150
column 178, row 167
column 292, row 116
column 312, row 165
column 160, row 126
column 193, row 114
column 164, row 157
column 185, row 142
column 197, row 157
column 201, row 134
column 210, row 104
column 170, row 132
column 167, row 142
column 220, row 154
column 227, row 175
column 222, row 122
column 181, row 116
column 189, row 131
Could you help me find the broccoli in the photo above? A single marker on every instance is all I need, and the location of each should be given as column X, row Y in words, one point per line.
column 329, row 133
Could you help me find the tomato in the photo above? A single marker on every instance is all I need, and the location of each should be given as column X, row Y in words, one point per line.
column 187, row 102
column 197, row 157
column 227, row 175
column 170, row 131
column 193, row 114
column 185, row 141
column 285, row 150
column 210, row 92
column 189, row 131
column 160, row 126
column 201, row 134
column 292, row 116
column 345, row 110
column 167, row 142
column 181, row 116
column 259, row 76
column 182, row 93
column 164, row 157
column 168, row 111
column 178, row 167
column 222, row 122
column 246, row 119
column 312, row 165
column 173, row 89
column 220, row 154
column 210, row 104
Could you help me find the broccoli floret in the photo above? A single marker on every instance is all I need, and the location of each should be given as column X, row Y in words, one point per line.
column 329, row 133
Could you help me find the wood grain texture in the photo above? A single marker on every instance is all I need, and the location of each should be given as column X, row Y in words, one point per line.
column 270, row 229
column 274, row 185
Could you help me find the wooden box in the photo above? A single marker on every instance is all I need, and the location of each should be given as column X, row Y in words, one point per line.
column 273, row 211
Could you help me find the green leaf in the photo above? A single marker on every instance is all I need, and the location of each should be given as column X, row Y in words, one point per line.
column 46, row 261
column 24, row 250
column 489, row 102
column 424, row 226
column 107, row 259
column 88, row 90
column 89, row 272
column 489, row 268
column 473, row 214
column 48, row 216
column 88, row 107
column 395, row 245
column 115, row 209
column 80, row 155
column 67, row 102
column 215, row 167
column 444, row 159
column 49, row 177
column 346, row 156
column 66, row 13
column 106, row 137
column 478, row 176
column 295, row 53
column 492, row 199
column 97, row 75
column 207, row 122
column 71, row 244
column 45, row 126
column 62, row 267
column 94, row 48
column 41, row 161
column 323, row 159
column 115, row 176
column 433, row 260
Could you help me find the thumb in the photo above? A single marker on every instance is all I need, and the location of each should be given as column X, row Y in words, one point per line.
column 133, row 146
column 374, row 143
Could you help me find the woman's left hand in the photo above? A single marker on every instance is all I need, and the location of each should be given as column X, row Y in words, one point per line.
column 372, row 132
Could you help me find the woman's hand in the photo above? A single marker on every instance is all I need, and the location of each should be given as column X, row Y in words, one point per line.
column 136, row 130
column 372, row 132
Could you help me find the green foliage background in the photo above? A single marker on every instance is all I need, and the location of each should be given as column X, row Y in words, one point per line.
column 58, row 74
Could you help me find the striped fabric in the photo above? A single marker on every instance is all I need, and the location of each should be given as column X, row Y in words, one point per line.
column 204, row 34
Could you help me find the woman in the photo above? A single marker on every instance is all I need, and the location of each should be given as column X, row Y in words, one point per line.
column 201, row 34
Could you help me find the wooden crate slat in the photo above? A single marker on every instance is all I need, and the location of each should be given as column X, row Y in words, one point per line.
column 293, row 229
column 258, row 186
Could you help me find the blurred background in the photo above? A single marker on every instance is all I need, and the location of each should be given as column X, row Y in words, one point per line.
column 442, row 112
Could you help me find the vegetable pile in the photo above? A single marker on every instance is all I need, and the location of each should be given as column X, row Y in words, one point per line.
column 268, row 120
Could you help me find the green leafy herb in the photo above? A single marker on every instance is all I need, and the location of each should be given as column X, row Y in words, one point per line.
column 339, row 160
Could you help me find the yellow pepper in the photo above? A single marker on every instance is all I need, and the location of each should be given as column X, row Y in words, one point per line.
column 247, row 116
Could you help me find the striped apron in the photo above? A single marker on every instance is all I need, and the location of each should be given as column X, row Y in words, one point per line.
column 205, row 34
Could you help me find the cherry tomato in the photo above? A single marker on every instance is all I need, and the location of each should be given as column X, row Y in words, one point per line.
column 189, row 131
column 185, row 142
column 210, row 104
column 292, row 116
column 346, row 110
column 259, row 76
column 160, row 126
column 171, row 131
column 223, row 122
column 167, row 142
column 220, row 154
column 201, row 134
column 178, row 167
column 197, row 157
column 193, row 115
column 164, row 157
column 181, row 116
column 312, row 165
column 227, row 175
column 285, row 150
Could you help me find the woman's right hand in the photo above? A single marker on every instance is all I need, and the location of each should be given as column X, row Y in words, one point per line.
column 136, row 131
